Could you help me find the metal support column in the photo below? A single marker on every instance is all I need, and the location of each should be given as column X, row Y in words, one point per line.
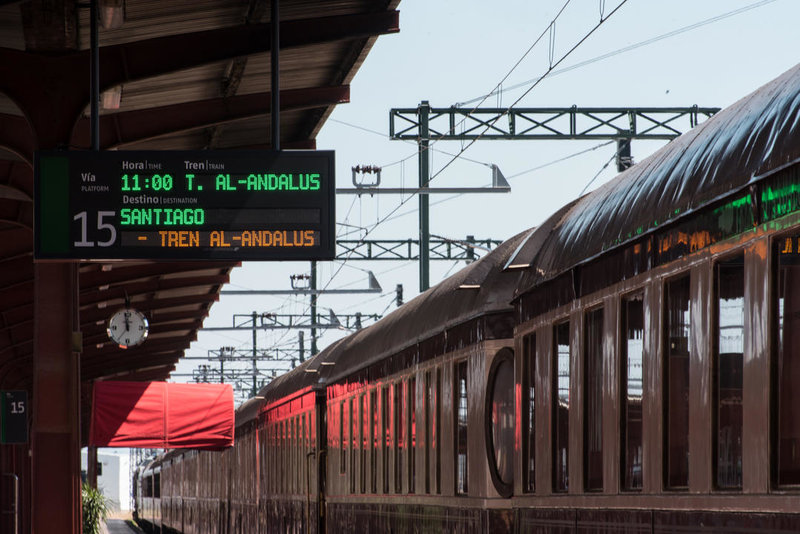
column 255, row 355
column 91, row 466
column 313, row 308
column 275, row 71
column 55, row 439
column 301, row 344
column 624, row 157
column 424, row 216
column 94, row 97
column 94, row 82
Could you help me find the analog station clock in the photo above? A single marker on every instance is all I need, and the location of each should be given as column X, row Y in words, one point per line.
column 128, row 328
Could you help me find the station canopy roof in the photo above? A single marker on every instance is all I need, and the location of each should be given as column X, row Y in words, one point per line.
column 175, row 76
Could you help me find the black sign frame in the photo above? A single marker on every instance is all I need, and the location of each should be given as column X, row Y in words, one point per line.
column 14, row 415
column 253, row 205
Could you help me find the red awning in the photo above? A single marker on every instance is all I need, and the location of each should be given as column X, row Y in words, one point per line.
column 160, row 415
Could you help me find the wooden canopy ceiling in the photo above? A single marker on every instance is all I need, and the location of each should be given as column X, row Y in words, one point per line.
column 174, row 75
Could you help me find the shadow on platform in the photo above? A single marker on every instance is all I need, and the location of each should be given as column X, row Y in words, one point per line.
column 120, row 526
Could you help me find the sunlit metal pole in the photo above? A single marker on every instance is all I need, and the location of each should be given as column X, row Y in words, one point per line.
column 424, row 217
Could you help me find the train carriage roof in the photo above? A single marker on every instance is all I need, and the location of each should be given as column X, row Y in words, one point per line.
column 479, row 289
column 754, row 136
column 305, row 376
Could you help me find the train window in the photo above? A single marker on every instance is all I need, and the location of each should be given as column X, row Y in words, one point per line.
column 437, row 430
column 528, row 413
column 460, row 401
column 304, row 425
column 786, row 366
column 290, row 465
column 387, row 437
column 593, row 400
column 728, row 372
column 427, row 394
column 281, row 462
column 561, row 383
column 275, row 458
column 631, row 373
column 342, row 449
column 499, row 430
column 374, row 439
column 297, row 462
column 298, row 455
column 677, row 329
column 362, row 453
column 312, row 429
column 353, row 442
column 398, row 436
column 266, row 446
column 290, row 470
column 412, row 435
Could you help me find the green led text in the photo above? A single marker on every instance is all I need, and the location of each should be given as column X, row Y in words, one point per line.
column 162, row 217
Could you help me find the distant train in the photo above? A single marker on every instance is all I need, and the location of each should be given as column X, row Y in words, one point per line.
column 631, row 365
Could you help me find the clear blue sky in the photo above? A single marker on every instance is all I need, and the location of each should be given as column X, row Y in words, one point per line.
column 452, row 52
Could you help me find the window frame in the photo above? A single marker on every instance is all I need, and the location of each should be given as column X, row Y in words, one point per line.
column 528, row 412
column 623, row 387
column 715, row 362
column 665, row 393
column 774, row 377
column 504, row 488
column 556, row 487
column 460, row 490
column 591, row 310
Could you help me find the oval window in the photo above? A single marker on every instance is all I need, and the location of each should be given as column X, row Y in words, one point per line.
column 500, row 422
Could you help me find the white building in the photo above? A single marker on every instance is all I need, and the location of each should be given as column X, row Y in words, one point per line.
column 113, row 476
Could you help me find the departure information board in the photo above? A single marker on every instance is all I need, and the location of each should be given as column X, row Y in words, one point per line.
column 193, row 205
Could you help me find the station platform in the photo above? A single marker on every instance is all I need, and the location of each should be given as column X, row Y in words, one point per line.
column 120, row 526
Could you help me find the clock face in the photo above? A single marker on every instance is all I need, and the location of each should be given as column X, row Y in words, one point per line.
column 128, row 328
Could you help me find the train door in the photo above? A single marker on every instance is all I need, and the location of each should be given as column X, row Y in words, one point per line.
column 322, row 460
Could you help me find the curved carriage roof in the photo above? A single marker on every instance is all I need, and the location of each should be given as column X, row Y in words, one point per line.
column 479, row 289
column 758, row 134
column 307, row 375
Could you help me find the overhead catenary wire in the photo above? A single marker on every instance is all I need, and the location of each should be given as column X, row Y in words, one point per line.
column 558, row 71
column 628, row 48
column 459, row 155
column 499, row 88
column 535, row 83
column 604, row 167
column 555, row 64
column 410, row 156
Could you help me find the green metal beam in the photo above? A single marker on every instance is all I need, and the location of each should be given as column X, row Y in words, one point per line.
column 423, row 112
column 544, row 123
column 408, row 249
column 287, row 321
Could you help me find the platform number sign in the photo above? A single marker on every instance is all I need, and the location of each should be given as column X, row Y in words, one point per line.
column 14, row 413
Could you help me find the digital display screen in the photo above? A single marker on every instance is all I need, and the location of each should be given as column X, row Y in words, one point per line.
column 193, row 205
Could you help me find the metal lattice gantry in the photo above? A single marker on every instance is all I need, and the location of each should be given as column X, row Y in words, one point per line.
column 408, row 249
column 424, row 124
column 574, row 122
column 287, row 321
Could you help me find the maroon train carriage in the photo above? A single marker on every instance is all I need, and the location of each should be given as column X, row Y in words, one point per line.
column 404, row 415
column 147, row 496
column 631, row 365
